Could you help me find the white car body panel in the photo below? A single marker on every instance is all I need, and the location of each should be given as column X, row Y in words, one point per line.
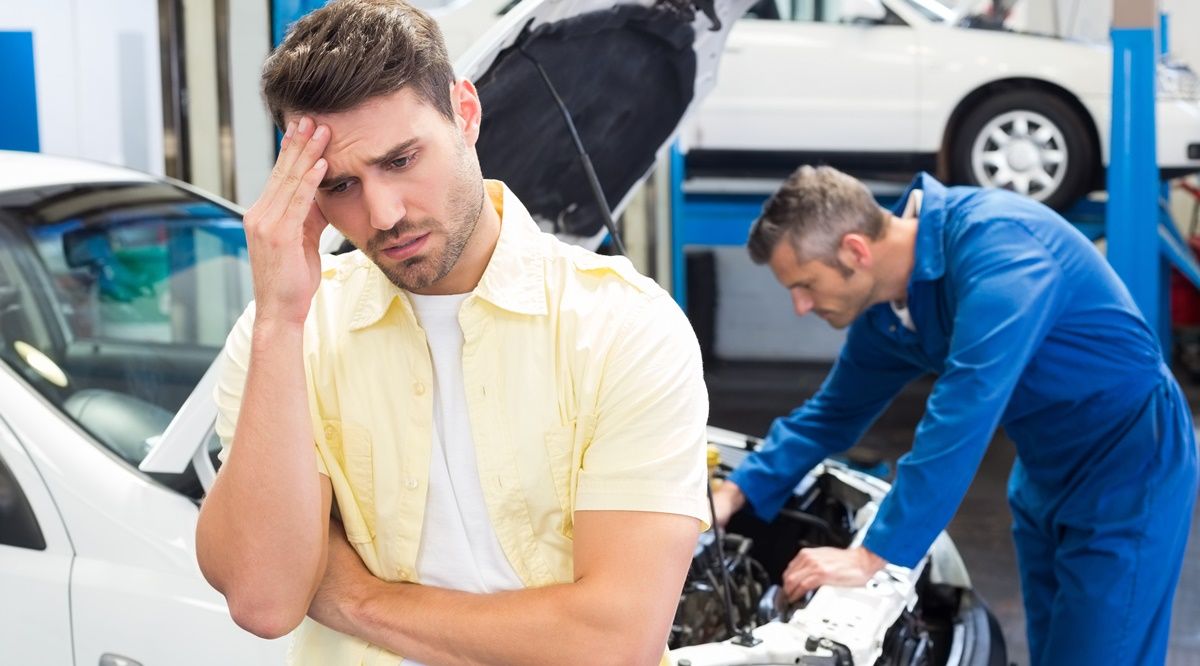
column 134, row 547
column 33, row 633
column 810, row 100
column 829, row 87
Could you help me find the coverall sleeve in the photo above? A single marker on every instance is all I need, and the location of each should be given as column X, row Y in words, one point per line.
column 863, row 381
column 1008, row 288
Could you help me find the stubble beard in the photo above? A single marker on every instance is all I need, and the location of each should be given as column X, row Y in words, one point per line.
column 465, row 202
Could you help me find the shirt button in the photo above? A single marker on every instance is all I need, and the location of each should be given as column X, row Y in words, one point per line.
column 892, row 328
column 328, row 432
column 418, row 388
column 411, row 483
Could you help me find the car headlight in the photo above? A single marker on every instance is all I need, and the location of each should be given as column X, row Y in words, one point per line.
column 1177, row 81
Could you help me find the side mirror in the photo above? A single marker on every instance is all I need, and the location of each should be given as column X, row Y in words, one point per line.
column 861, row 11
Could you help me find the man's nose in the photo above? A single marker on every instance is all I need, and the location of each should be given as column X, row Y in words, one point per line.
column 385, row 206
column 801, row 302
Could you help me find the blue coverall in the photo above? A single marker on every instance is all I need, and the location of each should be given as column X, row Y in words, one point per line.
column 1026, row 326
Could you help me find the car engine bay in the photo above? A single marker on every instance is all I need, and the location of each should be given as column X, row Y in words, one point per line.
column 733, row 610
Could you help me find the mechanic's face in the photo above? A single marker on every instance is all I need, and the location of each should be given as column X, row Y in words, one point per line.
column 835, row 295
column 404, row 185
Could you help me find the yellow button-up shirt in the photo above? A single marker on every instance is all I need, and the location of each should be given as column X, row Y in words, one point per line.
column 584, row 388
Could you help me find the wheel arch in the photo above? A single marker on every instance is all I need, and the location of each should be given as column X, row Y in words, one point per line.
column 983, row 92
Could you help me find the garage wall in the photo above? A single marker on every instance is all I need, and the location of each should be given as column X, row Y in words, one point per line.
column 755, row 320
column 96, row 73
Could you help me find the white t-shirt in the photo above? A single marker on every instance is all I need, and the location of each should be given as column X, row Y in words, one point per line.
column 912, row 208
column 459, row 548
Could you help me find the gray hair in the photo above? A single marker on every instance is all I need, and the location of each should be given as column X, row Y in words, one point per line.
column 814, row 209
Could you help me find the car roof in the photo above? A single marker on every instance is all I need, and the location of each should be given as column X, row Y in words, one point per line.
column 22, row 170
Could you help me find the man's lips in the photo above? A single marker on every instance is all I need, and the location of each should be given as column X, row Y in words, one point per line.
column 406, row 248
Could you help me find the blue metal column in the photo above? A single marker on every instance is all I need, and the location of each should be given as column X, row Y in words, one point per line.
column 1133, row 245
column 678, row 259
column 1165, row 218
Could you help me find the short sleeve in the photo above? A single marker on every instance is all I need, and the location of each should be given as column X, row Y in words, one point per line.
column 648, row 450
column 233, row 363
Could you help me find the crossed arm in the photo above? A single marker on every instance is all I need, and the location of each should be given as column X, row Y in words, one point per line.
column 629, row 568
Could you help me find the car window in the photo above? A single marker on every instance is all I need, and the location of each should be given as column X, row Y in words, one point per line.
column 18, row 526
column 115, row 299
column 806, row 11
column 803, row 11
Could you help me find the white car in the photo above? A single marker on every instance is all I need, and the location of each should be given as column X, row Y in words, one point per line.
column 893, row 86
column 117, row 290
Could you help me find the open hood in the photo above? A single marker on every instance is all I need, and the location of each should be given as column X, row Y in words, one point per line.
column 627, row 75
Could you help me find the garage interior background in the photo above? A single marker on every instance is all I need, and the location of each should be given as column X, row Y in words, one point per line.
column 150, row 84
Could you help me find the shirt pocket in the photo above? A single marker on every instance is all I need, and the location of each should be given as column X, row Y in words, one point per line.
column 351, row 446
column 564, row 470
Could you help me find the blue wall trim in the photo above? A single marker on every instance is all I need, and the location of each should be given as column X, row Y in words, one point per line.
column 286, row 12
column 18, row 112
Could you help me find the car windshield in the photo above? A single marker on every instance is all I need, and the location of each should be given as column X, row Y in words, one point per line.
column 114, row 301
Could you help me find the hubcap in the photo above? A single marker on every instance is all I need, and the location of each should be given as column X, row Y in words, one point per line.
column 1022, row 151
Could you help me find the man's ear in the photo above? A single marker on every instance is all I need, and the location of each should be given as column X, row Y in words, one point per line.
column 468, row 113
column 855, row 251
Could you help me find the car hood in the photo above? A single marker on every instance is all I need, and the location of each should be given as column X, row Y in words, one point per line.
column 628, row 74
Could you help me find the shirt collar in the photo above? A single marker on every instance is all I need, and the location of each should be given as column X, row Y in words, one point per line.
column 929, row 257
column 514, row 279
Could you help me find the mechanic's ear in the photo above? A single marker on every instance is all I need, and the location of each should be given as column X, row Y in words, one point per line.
column 467, row 111
column 855, row 251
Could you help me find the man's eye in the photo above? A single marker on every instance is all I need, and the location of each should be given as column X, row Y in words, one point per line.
column 339, row 188
column 402, row 162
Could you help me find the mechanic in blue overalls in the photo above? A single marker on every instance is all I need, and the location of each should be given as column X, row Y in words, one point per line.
column 1025, row 326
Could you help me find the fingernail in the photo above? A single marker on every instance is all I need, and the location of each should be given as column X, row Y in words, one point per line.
column 290, row 128
column 320, row 132
column 305, row 124
column 320, row 164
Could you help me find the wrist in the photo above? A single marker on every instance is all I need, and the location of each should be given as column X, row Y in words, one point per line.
column 275, row 330
column 733, row 494
column 870, row 561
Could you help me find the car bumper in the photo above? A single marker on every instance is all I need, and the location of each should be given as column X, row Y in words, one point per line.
column 1178, row 137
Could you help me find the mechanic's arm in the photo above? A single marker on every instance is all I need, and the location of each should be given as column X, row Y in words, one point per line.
column 1009, row 293
column 863, row 381
column 629, row 569
column 262, row 530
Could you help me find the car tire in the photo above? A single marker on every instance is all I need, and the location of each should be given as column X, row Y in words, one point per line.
column 1027, row 141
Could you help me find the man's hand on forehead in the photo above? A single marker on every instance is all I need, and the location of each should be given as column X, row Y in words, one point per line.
column 283, row 228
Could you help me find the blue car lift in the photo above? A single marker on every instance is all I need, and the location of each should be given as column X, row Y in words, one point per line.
column 1143, row 240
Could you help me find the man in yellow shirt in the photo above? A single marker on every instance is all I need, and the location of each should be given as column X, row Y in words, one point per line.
column 510, row 429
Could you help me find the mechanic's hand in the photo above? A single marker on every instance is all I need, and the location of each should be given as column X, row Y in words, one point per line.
column 843, row 567
column 727, row 500
column 284, row 226
column 345, row 584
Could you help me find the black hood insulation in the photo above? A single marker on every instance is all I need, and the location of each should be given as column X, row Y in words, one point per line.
column 626, row 74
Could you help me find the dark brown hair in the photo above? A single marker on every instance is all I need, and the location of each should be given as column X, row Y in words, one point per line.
column 351, row 51
column 814, row 209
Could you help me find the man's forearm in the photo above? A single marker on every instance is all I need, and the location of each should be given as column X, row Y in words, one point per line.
column 559, row 624
column 262, row 528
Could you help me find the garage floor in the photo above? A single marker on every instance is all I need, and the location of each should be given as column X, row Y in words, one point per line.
column 747, row 396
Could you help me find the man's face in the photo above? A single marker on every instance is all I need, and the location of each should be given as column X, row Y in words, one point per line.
column 817, row 287
column 403, row 184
